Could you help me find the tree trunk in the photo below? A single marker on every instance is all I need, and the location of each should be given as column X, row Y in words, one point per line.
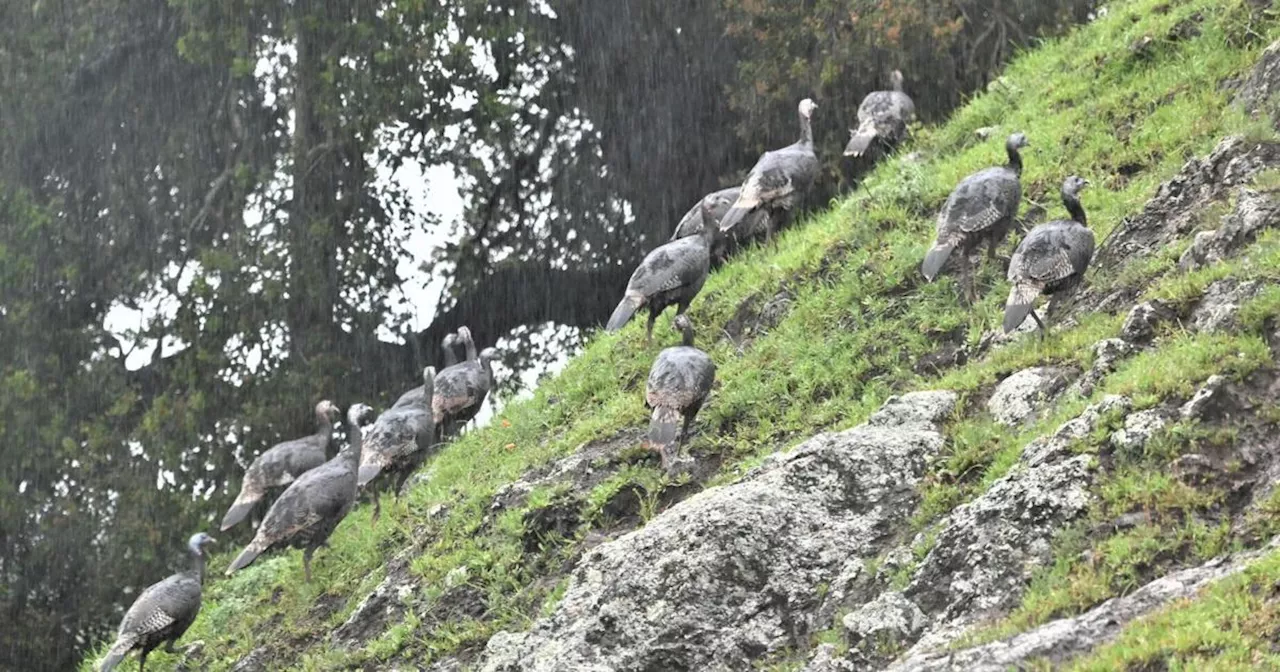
column 314, row 230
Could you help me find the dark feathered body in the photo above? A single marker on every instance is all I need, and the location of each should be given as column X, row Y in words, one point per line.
column 401, row 438
column 780, row 179
column 672, row 274
column 882, row 116
column 679, row 382
column 980, row 211
column 460, row 391
column 1052, row 258
column 281, row 464
column 755, row 226
column 312, row 506
column 162, row 613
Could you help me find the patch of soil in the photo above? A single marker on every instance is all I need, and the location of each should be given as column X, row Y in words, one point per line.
column 755, row 317
column 952, row 351
column 554, row 523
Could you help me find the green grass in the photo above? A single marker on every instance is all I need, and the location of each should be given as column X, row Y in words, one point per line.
column 860, row 319
column 1231, row 626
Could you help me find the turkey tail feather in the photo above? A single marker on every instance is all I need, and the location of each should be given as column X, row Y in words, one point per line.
column 733, row 216
column 237, row 513
column 934, row 260
column 368, row 472
column 626, row 308
column 859, row 142
column 1022, row 299
column 248, row 555
column 664, row 433
column 117, row 653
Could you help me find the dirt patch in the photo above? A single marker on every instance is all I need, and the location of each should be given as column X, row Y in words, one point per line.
column 755, row 317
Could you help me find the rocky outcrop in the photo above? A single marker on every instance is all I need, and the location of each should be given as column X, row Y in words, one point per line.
column 1221, row 301
column 1058, row 641
column 986, row 549
column 1253, row 212
column 1019, row 397
column 1143, row 319
column 1138, row 429
column 1257, row 94
column 882, row 624
column 741, row 570
column 1176, row 209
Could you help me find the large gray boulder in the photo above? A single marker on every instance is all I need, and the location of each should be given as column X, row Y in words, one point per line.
column 739, row 571
column 1022, row 395
column 987, row 549
column 1059, row 641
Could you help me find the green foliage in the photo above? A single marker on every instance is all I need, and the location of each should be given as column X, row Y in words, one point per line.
column 858, row 322
column 836, row 51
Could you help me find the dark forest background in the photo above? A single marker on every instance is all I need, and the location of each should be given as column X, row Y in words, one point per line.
column 221, row 156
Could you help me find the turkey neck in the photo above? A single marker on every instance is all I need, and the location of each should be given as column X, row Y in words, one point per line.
column 471, row 349
column 1015, row 159
column 197, row 565
column 1072, row 202
column 324, row 426
column 806, row 130
column 351, row 453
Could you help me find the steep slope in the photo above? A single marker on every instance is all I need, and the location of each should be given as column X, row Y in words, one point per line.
column 944, row 529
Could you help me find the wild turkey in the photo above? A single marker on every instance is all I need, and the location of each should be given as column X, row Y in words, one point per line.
column 309, row 510
column 461, row 389
column 399, row 440
column 883, row 115
column 672, row 274
column 981, row 209
column 449, row 347
column 1051, row 259
column 162, row 613
column 679, row 382
column 282, row 463
column 756, row 226
column 780, row 178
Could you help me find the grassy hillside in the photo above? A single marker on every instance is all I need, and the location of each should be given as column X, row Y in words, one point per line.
column 853, row 321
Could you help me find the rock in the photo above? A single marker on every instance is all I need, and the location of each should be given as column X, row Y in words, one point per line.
column 1221, row 301
column 1254, row 211
column 893, row 561
column 1141, row 322
column 256, row 661
column 1197, row 254
column 1194, row 469
column 887, row 620
column 1020, row 396
column 986, row 550
column 1106, row 354
column 384, row 605
column 1257, row 94
column 827, row 659
column 1204, row 398
column 1138, row 429
column 1057, row 642
column 734, row 572
column 1175, row 210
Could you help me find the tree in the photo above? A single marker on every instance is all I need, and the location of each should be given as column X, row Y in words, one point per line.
column 839, row 50
column 218, row 165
